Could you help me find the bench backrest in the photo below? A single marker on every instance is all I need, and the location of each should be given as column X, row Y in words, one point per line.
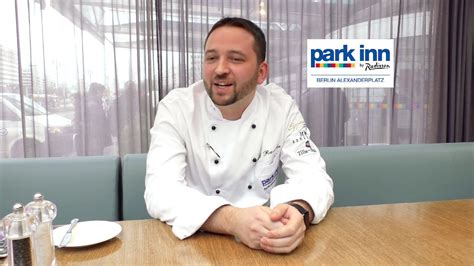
column 90, row 188
column 82, row 187
column 365, row 175
column 133, row 187
column 362, row 175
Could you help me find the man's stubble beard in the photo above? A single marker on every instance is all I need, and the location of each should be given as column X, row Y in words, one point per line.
column 246, row 88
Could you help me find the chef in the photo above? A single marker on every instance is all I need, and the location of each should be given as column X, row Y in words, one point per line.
column 217, row 145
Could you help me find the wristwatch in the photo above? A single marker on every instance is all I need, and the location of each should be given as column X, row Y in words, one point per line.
column 303, row 212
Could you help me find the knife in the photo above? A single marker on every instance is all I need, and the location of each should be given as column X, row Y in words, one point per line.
column 68, row 234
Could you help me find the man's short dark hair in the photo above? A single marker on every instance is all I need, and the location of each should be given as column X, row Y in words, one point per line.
column 260, row 45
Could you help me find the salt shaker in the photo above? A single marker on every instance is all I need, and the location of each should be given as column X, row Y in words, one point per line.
column 44, row 211
column 19, row 227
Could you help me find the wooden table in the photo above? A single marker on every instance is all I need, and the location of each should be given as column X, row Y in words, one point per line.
column 422, row 233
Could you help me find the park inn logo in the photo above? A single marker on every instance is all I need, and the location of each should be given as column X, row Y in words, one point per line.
column 350, row 63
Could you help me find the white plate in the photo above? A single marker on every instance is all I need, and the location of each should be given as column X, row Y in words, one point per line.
column 88, row 233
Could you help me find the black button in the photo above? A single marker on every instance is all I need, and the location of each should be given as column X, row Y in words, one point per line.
column 249, row 187
column 254, row 126
column 254, row 160
column 218, row 191
column 213, row 127
column 216, row 161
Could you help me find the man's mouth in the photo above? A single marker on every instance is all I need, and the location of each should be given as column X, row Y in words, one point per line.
column 222, row 87
column 222, row 84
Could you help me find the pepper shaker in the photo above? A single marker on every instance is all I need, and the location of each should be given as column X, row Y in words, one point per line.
column 3, row 241
column 19, row 226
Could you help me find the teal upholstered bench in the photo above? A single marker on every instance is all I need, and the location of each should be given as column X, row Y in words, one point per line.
column 362, row 175
column 83, row 187
column 400, row 173
column 133, row 187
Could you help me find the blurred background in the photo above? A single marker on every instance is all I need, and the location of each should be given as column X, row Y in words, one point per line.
column 84, row 77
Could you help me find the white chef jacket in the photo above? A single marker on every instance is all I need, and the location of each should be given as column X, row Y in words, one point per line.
column 199, row 161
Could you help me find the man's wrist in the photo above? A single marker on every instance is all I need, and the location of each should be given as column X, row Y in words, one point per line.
column 304, row 209
column 221, row 220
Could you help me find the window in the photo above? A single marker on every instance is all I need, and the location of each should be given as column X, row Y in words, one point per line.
column 6, row 114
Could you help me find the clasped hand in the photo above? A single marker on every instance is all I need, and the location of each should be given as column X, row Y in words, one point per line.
column 278, row 230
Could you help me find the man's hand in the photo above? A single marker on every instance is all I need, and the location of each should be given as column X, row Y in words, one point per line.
column 286, row 238
column 254, row 223
column 248, row 225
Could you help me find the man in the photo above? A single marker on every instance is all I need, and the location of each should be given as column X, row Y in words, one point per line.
column 216, row 147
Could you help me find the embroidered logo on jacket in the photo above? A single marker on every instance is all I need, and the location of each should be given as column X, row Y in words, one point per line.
column 307, row 149
column 302, row 135
column 268, row 182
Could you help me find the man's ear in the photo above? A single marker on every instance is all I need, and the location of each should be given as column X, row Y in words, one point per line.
column 262, row 72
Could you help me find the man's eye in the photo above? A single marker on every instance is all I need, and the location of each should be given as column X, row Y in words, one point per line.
column 211, row 58
column 237, row 59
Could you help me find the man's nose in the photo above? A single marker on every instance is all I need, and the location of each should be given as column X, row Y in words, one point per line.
column 222, row 67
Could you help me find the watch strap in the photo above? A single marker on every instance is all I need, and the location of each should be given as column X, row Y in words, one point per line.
column 303, row 212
